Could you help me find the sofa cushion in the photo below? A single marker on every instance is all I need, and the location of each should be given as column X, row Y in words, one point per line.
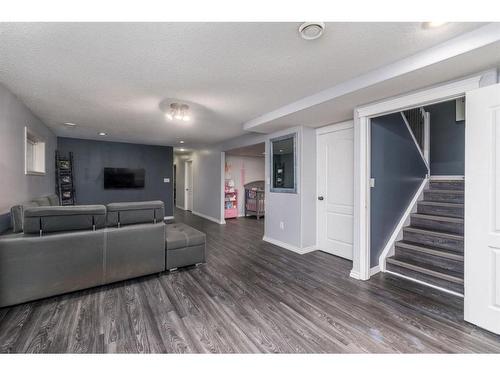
column 58, row 218
column 42, row 201
column 127, row 213
column 53, row 200
column 17, row 215
column 181, row 235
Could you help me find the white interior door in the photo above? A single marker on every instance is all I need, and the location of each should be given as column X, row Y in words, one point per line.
column 189, row 185
column 482, row 208
column 335, row 189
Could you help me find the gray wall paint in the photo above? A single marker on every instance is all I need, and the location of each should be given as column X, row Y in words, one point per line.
column 296, row 211
column 447, row 151
column 207, row 175
column 91, row 157
column 16, row 187
column 398, row 170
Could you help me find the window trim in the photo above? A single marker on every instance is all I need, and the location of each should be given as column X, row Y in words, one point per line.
column 39, row 153
column 271, row 167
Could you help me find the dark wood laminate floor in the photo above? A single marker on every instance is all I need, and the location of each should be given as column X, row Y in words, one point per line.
column 250, row 297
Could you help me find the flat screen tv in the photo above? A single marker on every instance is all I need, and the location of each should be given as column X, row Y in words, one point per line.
column 123, row 178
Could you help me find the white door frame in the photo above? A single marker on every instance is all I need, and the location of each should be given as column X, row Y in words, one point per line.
column 362, row 162
column 223, row 186
column 320, row 131
column 186, row 177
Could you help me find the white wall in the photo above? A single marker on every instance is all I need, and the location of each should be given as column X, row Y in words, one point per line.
column 309, row 189
column 296, row 211
column 207, row 176
column 208, row 171
column 16, row 187
column 242, row 170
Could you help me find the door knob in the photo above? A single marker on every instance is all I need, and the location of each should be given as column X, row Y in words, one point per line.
column 320, row 198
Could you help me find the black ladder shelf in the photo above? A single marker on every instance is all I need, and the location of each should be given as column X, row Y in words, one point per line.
column 65, row 188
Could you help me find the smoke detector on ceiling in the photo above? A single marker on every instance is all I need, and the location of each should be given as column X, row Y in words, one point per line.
column 311, row 30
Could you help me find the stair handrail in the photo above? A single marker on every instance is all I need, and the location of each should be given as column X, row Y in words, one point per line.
column 422, row 130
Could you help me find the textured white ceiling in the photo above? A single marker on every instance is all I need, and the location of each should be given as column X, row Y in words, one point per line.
column 341, row 108
column 111, row 76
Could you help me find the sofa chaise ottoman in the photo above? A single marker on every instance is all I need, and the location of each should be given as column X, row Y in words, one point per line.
column 184, row 246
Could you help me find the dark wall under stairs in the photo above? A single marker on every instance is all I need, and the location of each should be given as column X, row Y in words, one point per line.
column 398, row 169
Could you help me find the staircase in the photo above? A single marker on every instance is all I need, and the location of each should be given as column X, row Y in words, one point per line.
column 432, row 249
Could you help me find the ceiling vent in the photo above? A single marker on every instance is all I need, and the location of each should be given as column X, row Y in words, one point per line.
column 311, row 30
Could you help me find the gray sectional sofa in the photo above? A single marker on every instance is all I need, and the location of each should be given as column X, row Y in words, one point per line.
column 58, row 249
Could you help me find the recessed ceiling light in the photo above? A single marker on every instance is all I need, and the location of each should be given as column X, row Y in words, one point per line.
column 181, row 141
column 103, row 134
column 433, row 24
column 311, row 30
column 182, row 149
column 69, row 124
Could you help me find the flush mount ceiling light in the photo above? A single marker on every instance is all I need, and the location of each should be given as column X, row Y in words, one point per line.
column 181, row 141
column 311, row 30
column 178, row 112
column 69, row 124
column 103, row 134
column 433, row 24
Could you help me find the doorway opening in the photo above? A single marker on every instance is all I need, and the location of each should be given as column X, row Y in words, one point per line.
column 244, row 184
column 188, row 185
column 183, row 179
column 417, row 159
column 175, row 184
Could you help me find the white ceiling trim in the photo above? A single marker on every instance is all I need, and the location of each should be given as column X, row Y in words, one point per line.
column 448, row 91
column 456, row 46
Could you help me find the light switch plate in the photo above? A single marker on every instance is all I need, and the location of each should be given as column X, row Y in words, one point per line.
column 166, row 180
column 372, row 182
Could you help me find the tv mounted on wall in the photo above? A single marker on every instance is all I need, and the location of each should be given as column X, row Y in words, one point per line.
column 123, row 178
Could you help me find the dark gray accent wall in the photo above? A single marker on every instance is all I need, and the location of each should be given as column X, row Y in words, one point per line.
column 447, row 151
column 91, row 157
column 398, row 170
column 17, row 187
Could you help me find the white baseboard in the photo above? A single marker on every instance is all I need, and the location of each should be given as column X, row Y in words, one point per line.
column 389, row 247
column 284, row 245
column 444, row 177
column 355, row 275
column 215, row 220
column 374, row 270
column 168, row 218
